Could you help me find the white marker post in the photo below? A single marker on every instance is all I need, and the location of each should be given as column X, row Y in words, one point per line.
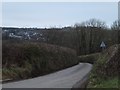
column 103, row 46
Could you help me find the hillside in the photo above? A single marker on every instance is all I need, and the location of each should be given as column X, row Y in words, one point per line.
column 106, row 69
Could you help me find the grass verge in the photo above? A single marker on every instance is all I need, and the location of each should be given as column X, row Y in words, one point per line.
column 105, row 71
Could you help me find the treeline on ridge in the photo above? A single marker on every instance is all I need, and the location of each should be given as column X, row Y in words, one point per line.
column 84, row 37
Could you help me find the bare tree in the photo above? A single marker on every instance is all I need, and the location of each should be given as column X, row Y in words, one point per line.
column 116, row 25
column 88, row 41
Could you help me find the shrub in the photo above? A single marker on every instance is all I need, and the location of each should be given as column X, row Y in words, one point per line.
column 106, row 69
column 28, row 59
column 91, row 58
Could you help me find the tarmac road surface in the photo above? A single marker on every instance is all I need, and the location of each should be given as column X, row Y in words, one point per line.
column 66, row 78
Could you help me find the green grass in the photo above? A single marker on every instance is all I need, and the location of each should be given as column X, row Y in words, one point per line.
column 102, row 83
column 0, row 74
column 110, row 83
column 105, row 70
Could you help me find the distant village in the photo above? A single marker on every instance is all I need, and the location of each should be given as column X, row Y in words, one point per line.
column 21, row 33
column 27, row 33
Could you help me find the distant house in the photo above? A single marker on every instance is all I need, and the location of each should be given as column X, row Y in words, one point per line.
column 14, row 36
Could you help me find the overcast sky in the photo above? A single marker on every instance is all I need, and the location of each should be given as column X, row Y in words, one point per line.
column 39, row 14
column 119, row 10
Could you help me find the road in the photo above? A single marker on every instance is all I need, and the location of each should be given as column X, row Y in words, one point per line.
column 66, row 78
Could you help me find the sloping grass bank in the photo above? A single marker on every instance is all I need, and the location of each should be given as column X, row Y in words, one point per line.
column 0, row 74
column 26, row 60
column 105, row 83
column 105, row 72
